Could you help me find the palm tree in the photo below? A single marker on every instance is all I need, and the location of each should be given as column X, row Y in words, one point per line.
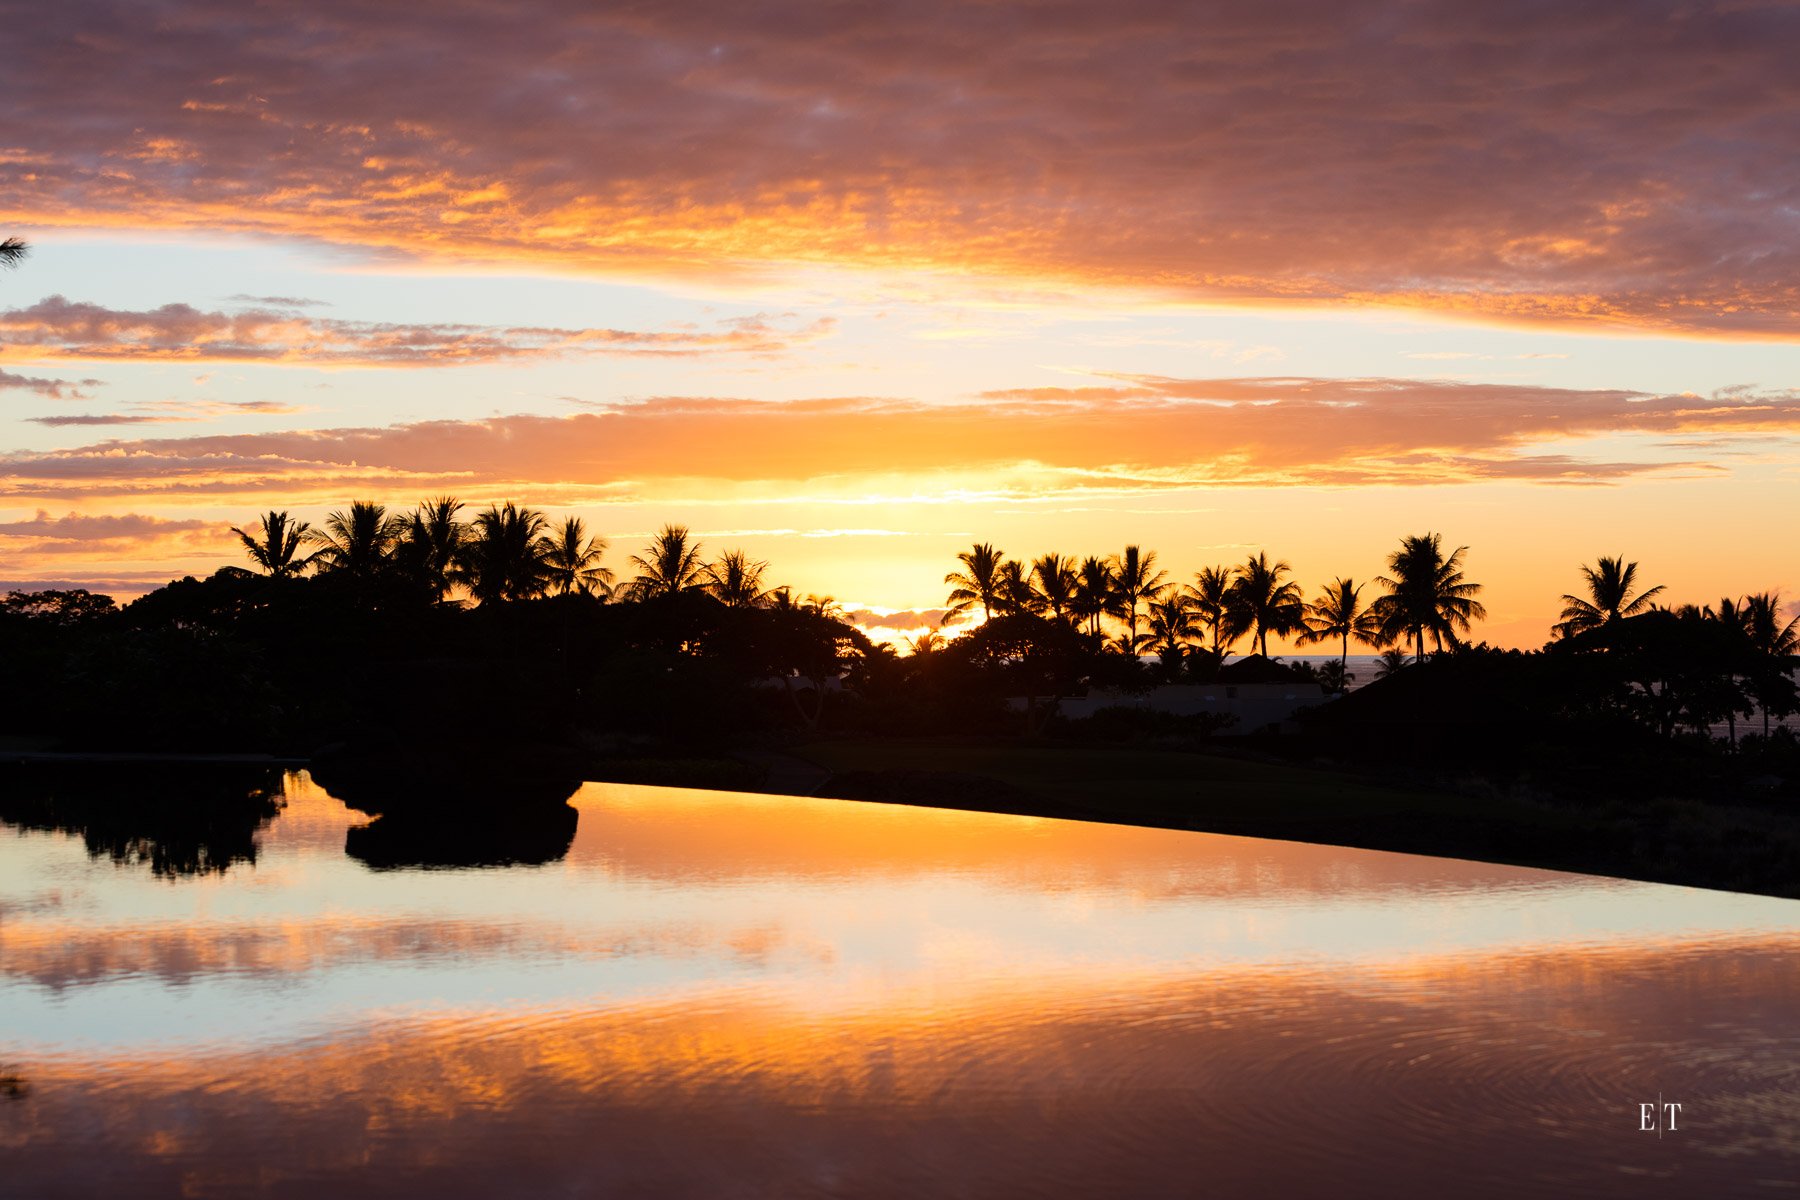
column 276, row 548
column 669, row 565
column 1171, row 626
column 736, row 580
column 13, row 251
column 927, row 643
column 1774, row 645
column 1057, row 582
column 977, row 583
column 1259, row 602
column 503, row 557
column 1015, row 591
column 1427, row 593
column 1135, row 581
column 1093, row 593
column 572, row 561
column 1393, row 661
column 1209, row 598
column 358, row 542
column 1609, row 585
column 1340, row 613
column 431, row 542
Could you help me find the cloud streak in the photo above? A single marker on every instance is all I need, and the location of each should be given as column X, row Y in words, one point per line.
column 1612, row 165
column 58, row 328
column 1138, row 432
column 54, row 389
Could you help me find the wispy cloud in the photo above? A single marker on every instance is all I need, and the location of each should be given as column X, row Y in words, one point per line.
column 1138, row 432
column 110, row 537
column 65, row 420
column 55, row 389
column 58, row 328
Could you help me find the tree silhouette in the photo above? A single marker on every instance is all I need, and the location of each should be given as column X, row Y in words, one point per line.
column 1135, row 582
column 1171, row 626
column 1093, row 593
column 572, row 561
column 669, row 566
column 1773, row 644
column 275, row 548
column 1392, row 662
column 1057, row 582
column 736, row 580
column 431, row 544
column 977, row 583
column 1339, row 613
column 926, row 644
column 1427, row 594
column 357, row 542
column 1209, row 598
column 13, row 251
column 1259, row 602
column 503, row 556
column 1015, row 593
column 1609, row 597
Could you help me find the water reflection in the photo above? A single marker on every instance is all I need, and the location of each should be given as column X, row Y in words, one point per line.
column 176, row 821
column 529, row 836
column 700, row 994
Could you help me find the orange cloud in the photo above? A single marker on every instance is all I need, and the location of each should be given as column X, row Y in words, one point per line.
column 81, row 537
column 1148, row 433
column 57, row 328
column 1624, row 166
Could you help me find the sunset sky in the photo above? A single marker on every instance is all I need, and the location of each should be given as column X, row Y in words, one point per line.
column 853, row 285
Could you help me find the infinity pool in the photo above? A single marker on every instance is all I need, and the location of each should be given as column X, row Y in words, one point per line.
column 661, row 992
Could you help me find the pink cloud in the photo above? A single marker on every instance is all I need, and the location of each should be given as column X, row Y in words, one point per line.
column 55, row 389
column 1625, row 165
column 59, row 328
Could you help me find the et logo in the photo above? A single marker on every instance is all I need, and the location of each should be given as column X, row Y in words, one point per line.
column 1659, row 1116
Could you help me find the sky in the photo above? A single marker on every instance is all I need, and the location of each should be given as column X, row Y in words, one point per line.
column 853, row 286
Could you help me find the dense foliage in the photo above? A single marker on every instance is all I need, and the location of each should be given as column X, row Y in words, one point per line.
column 430, row 629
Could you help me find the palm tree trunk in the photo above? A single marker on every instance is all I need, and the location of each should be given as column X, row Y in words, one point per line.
column 1344, row 663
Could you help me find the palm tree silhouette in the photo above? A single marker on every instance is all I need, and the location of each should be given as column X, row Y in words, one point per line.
column 1259, row 602
column 1339, row 613
column 736, row 580
column 358, row 542
column 1427, row 593
column 669, row 565
column 1209, row 598
column 1774, row 645
column 927, row 643
column 1135, row 581
column 1057, row 582
column 1015, row 593
column 1609, row 585
column 276, row 548
column 431, row 543
column 1171, row 626
column 1393, row 661
column 572, row 561
column 1093, row 593
column 13, row 251
column 503, row 556
column 977, row 583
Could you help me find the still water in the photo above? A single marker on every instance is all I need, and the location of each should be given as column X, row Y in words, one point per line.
column 681, row 993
